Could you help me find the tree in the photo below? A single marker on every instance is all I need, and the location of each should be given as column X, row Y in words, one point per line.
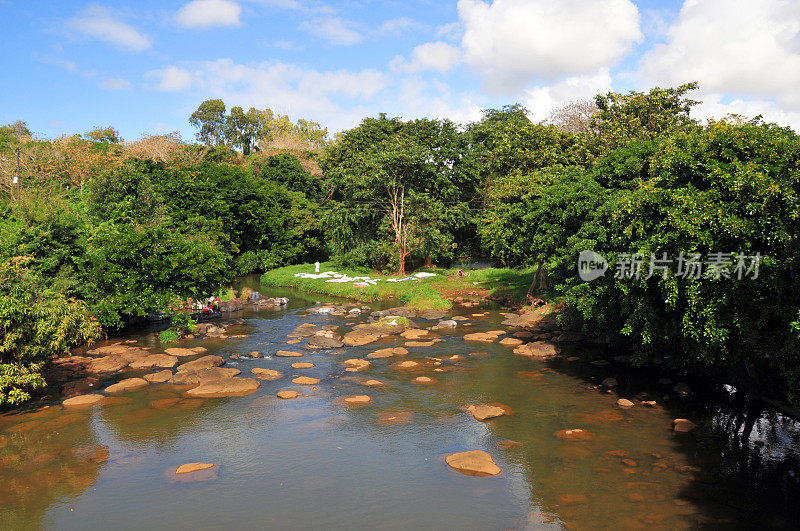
column 210, row 119
column 574, row 117
column 105, row 135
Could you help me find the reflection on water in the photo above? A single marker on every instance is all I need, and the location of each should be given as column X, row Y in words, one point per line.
column 315, row 462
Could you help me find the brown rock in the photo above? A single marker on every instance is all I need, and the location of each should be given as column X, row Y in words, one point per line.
column 407, row 365
column 182, row 352
column 473, row 463
column 288, row 394
column 224, row 387
column 306, row 380
column 510, row 341
column 683, row 425
column 424, row 380
column 360, row 337
column 82, row 400
column 155, row 360
column 485, row 411
column 420, row 343
column 288, row 354
column 393, row 418
column 541, row 350
column 609, row 382
column 625, row 403
column 357, row 364
column 374, row 383
column 523, row 334
column 79, row 387
column 387, row 353
column 415, row 333
column 129, row 384
column 265, row 374
column 197, row 376
column 302, row 365
column 357, row 400
column 192, row 467
column 158, row 377
column 483, row 337
column 111, row 363
column 206, row 362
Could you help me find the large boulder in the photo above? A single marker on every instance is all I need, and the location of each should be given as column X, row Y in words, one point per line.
column 473, row 463
column 303, row 330
column 206, row 362
column 223, row 387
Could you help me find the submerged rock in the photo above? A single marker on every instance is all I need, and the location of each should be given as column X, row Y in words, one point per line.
column 473, row 463
column 424, row 380
column 357, row 400
column 483, row 337
column 574, row 434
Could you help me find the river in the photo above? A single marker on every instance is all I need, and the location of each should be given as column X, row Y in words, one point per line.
column 314, row 463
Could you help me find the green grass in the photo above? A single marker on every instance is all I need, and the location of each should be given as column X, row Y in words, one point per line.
column 431, row 293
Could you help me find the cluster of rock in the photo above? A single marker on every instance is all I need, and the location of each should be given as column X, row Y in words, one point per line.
column 237, row 305
column 339, row 310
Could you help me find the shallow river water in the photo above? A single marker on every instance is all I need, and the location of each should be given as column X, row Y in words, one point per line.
column 313, row 463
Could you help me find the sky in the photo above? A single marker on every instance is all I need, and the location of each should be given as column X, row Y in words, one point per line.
column 143, row 67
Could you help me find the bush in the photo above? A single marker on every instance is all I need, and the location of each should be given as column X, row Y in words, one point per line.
column 169, row 336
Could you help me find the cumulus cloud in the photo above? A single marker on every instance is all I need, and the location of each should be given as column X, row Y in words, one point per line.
column 438, row 56
column 541, row 100
column 738, row 50
column 101, row 24
column 170, row 79
column 512, row 43
column 334, row 30
column 397, row 26
column 333, row 97
column 204, row 14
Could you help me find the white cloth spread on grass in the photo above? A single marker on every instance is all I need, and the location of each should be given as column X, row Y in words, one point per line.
column 340, row 278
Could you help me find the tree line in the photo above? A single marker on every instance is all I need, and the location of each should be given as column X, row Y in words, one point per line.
column 104, row 230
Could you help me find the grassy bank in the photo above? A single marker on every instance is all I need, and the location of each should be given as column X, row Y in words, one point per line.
column 430, row 293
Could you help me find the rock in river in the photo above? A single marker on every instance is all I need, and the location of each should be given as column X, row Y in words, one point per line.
column 357, row 364
column 683, row 425
column 302, row 365
column 625, row 403
column 206, row 362
column 541, row 350
column 128, row 384
column 357, row 400
column 224, row 387
column 288, row 394
column 574, row 434
column 387, row 353
column 111, row 363
column 473, row 463
column 288, row 354
column 155, row 360
column 266, row 374
column 82, row 400
column 192, row 467
column 485, row 411
column 158, row 377
column 306, row 380
column 182, row 352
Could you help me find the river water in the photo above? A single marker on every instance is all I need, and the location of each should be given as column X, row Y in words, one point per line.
column 313, row 463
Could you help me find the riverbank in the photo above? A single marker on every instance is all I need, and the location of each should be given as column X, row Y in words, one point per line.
column 508, row 286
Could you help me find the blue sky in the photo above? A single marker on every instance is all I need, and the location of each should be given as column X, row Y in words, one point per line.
column 142, row 67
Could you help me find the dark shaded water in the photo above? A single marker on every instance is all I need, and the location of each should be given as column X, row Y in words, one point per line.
column 314, row 463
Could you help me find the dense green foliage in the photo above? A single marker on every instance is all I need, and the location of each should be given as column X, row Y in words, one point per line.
column 98, row 234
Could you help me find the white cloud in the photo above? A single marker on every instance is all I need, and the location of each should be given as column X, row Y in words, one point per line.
column 170, row 79
column 746, row 50
column 101, row 24
column 334, row 30
column 209, row 13
column 418, row 98
column 397, row 26
column 284, row 87
column 438, row 56
column 541, row 100
column 115, row 83
column 512, row 43
column 450, row 31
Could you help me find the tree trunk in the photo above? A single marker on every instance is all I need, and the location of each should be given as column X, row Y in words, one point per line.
column 428, row 261
column 397, row 195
